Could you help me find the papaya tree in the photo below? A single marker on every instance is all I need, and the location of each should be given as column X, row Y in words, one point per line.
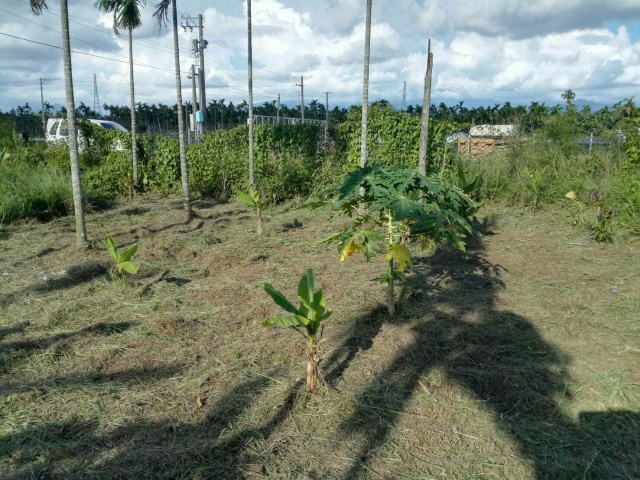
column 307, row 319
column 394, row 215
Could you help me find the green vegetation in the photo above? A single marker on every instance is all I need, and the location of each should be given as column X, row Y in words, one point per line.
column 309, row 316
column 123, row 261
column 538, row 170
column 41, row 192
column 388, row 197
column 534, row 169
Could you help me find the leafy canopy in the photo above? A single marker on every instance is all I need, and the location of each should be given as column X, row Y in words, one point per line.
column 126, row 13
column 392, row 193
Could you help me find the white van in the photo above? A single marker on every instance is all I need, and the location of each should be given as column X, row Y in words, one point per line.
column 57, row 128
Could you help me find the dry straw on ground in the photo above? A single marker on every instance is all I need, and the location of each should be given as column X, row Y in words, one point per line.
column 517, row 359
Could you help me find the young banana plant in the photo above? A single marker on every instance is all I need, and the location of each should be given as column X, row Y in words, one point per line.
column 123, row 261
column 307, row 319
column 252, row 200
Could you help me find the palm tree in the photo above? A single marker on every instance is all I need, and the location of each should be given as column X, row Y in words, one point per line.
column 365, row 87
column 568, row 96
column 126, row 15
column 162, row 16
column 252, row 178
column 76, row 182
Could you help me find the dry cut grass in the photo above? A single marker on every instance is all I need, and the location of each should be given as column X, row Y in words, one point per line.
column 517, row 359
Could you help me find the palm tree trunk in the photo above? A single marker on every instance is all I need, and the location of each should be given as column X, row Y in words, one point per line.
column 76, row 181
column 252, row 178
column 134, row 149
column 186, row 204
column 365, row 88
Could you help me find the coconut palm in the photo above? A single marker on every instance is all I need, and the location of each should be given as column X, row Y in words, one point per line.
column 162, row 16
column 252, row 178
column 37, row 6
column 126, row 15
column 568, row 96
column 365, row 87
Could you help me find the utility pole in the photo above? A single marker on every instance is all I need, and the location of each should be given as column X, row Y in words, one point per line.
column 202, row 44
column 278, row 110
column 194, row 100
column 44, row 115
column 404, row 96
column 326, row 109
column 197, row 50
column 96, row 98
column 301, row 85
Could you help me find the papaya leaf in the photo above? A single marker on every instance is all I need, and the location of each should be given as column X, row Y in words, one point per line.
column 401, row 255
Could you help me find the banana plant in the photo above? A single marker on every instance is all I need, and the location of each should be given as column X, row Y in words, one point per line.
column 123, row 261
column 392, row 203
column 307, row 319
column 252, row 200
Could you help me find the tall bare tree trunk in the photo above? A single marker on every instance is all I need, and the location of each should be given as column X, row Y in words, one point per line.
column 186, row 204
column 134, row 149
column 426, row 107
column 424, row 125
column 252, row 178
column 365, row 88
column 76, row 181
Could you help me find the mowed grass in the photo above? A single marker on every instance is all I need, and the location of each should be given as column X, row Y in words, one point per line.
column 516, row 359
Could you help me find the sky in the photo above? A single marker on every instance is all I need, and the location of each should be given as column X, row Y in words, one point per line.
column 485, row 51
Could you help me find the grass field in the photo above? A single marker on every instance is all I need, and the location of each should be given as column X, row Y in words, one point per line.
column 517, row 359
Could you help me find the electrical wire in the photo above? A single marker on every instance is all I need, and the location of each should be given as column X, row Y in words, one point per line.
column 86, row 53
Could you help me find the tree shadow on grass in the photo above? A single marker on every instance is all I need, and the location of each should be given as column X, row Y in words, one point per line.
column 15, row 352
column 134, row 376
column 72, row 277
column 212, row 448
column 501, row 359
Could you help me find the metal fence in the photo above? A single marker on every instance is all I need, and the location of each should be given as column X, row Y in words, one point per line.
column 265, row 119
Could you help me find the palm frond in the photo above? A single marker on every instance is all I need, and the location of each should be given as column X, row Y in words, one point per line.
column 37, row 6
column 162, row 12
column 126, row 13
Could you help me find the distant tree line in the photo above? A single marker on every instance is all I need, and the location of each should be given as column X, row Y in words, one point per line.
column 224, row 115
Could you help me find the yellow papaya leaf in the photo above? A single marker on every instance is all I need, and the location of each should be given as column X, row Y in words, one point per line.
column 351, row 249
column 402, row 255
column 571, row 195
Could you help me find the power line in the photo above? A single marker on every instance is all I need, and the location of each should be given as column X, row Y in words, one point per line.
column 86, row 53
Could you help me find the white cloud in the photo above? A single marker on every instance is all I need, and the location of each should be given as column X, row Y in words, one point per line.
column 502, row 50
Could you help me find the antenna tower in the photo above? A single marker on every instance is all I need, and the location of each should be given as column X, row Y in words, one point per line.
column 96, row 98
